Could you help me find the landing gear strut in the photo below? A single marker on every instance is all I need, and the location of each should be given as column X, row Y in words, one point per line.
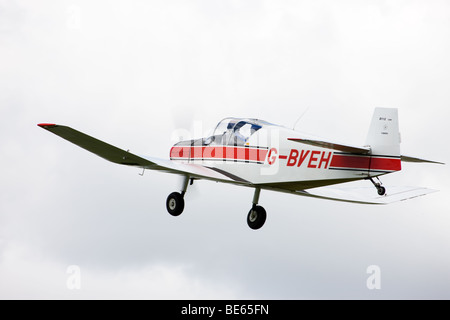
column 257, row 215
column 175, row 200
column 255, row 219
column 380, row 189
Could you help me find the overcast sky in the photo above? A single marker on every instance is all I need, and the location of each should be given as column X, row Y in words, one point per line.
column 138, row 73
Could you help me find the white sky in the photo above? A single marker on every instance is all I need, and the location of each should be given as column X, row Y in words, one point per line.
column 136, row 73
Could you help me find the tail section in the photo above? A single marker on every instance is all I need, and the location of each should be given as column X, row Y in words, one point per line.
column 383, row 136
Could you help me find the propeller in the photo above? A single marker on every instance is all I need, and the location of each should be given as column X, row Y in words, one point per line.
column 184, row 129
column 182, row 119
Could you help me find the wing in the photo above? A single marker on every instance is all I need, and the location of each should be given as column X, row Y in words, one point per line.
column 120, row 156
column 333, row 145
column 365, row 195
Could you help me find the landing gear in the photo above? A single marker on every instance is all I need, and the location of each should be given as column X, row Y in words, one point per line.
column 175, row 200
column 257, row 215
column 175, row 204
column 380, row 189
column 255, row 219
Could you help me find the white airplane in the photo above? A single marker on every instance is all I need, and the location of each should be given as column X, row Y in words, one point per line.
column 261, row 155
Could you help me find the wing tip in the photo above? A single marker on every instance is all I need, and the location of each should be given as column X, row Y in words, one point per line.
column 46, row 125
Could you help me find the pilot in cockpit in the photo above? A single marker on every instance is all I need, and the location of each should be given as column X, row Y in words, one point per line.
column 232, row 131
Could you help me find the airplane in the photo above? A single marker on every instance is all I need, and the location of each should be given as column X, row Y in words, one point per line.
column 265, row 156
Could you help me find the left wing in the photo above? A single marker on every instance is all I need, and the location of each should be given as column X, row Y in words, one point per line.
column 120, row 156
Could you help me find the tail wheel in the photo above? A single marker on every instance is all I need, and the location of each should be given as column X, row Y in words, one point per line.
column 256, row 217
column 175, row 203
column 381, row 190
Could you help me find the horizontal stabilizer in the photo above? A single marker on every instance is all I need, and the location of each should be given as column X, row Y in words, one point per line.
column 366, row 195
column 418, row 160
column 333, row 145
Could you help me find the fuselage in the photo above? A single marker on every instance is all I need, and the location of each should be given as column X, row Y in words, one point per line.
column 261, row 153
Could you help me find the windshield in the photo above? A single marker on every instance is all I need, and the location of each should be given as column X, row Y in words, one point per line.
column 234, row 131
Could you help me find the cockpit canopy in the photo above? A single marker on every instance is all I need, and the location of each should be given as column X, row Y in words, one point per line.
column 229, row 132
column 234, row 131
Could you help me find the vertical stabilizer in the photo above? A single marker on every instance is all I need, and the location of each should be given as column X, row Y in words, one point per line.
column 383, row 136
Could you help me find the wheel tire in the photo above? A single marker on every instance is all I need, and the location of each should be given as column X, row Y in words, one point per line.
column 256, row 217
column 175, row 204
column 381, row 191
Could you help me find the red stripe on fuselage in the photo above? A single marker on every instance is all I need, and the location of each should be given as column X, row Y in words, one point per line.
column 342, row 161
column 388, row 164
column 219, row 152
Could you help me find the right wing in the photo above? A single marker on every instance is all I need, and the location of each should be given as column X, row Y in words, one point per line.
column 98, row 147
column 120, row 156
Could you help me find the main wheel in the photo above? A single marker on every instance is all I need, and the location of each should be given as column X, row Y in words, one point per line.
column 256, row 217
column 175, row 204
column 381, row 190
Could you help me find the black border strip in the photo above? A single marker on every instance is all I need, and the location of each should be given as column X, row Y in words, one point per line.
column 362, row 170
column 218, row 159
column 229, row 175
column 366, row 155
